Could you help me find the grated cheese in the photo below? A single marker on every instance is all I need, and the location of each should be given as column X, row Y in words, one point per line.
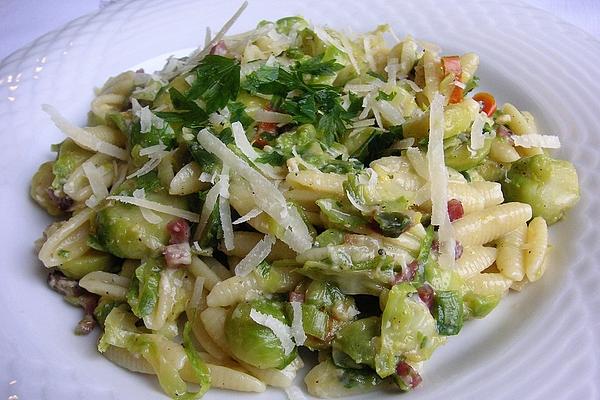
column 364, row 123
column 267, row 196
column 207, row 208
column 281, row 330
column 477, row 137
column 242, row 142
column 255, row 212
column 261, row 115
column 148, row 215
column 94, row 177
column 297, row 327
column 158, row 207
column 224, row 209
column 536, row 140
column 438, row 180
column 82, row 137
column 259, row 252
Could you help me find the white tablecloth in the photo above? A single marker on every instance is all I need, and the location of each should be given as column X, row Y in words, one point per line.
column 21, row 21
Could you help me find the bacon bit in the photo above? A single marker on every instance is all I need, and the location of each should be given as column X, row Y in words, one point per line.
column 458, row 250
column 426, row 295
column 435, row 246
column 451, row 65
column 63, row 285
column 219, row 49
column 86, row 325
column 269, row 127
column 296, row 296
column 177, row 255
column 455, row 209
column 63, row 202
column 140, row 70
column 259, row 142
column 408, row 375
column 408, row 274
column 179, row 229
column 457, row 95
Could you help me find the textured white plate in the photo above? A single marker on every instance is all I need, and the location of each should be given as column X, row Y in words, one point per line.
column 540, row 344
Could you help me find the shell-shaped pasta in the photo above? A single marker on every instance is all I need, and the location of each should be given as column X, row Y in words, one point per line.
column 483, row 226
column 106, row 103
column 231, row 291
column 520, row 125
column 396, row 173
column 418, row 162
column 326, row 184
column 475, row 259
column 469, row 62
column 276, row 377
column 199, row 268
column 213, row 319
column 206, row 341
column 125, row 359
column 70, row 236
column 77, row 186
column 242, row 200
column 121, row 84
column 469, row 196
column 491, row 192
column 245, row 241
column 510, row 253
column 187, row 181
column 503, row 152
column 228, row 378
column 488, row 283
column 106, row 284
column 222, row 271
column 108, row 134
column 536, row 245
column 305, row 198
column 171, row 287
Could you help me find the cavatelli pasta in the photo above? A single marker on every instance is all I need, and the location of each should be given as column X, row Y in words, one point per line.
column 536, row 246
column 474, row 260
column 510, row 258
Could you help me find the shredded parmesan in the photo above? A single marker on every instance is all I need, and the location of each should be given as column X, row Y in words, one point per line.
column 224, row 209
column 255, row 212
column 207, row 208
column 297, row 327
column 536, row 140
column 281, row 330
column 438, row 180
column 94, row 177
column 344, row 47
column 255, row 256
column 82, row 137
column 364, row 123
column 242, row 142
column 158, row 207
column 267, row 196
column 477, row 137
column 261, row 115
column 148, row 215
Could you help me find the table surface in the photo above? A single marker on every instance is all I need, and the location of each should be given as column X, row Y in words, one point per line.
column 21, row 21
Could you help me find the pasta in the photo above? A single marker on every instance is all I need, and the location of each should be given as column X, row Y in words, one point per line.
column 294, row 187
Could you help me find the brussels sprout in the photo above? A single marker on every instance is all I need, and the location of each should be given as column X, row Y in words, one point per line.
column 285, row 25
column 490, row 170
column 253, row 343
column 448, row 311
column 92, row 260
column 358, row 340
column 458, row 118
column 549, row 186
column 279, row 277
column 40, row 187
column 458, row 154
column 326, row 380
column 70, row 156
column 478, row 305
column 310, row 43
column 330, row 236
column 122, row 230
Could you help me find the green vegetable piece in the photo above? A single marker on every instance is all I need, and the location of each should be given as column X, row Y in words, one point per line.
column 548, row 185
column 340, row 216
column 310, row 43
column 491, row 170
column 458, row 154
column 188, row 113
column 122, row 230
column 457, row 117
column 200, row 370
column 392, row 224
column 448, row 311
column 478, row 305
column 408, row 330
column 315, row 322
column 358, row 340
column 92, row 260
column 104, row 307
column 40, row 185
column 139, row 140
column 277, row 278
column 217, row 81
column 330, row 237
column 253, row 343
column 285, row 25
column 70, row 156
column 142, row 295
column 369, row 278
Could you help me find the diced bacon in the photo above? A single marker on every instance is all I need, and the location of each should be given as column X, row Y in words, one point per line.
column 179, row 230
column 269, row 127
column 408, row 375
column 426, row 294
column 177, row 255
column 504, row 132
column 219, row 49
column 296, row 296
column 407, row 274
column 63, row 202
column 458, row 250
column 455, row 209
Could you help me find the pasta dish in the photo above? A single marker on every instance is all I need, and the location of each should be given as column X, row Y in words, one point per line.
column 296, row 187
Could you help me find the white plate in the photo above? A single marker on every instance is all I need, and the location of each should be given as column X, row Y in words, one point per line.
column 541, row 343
